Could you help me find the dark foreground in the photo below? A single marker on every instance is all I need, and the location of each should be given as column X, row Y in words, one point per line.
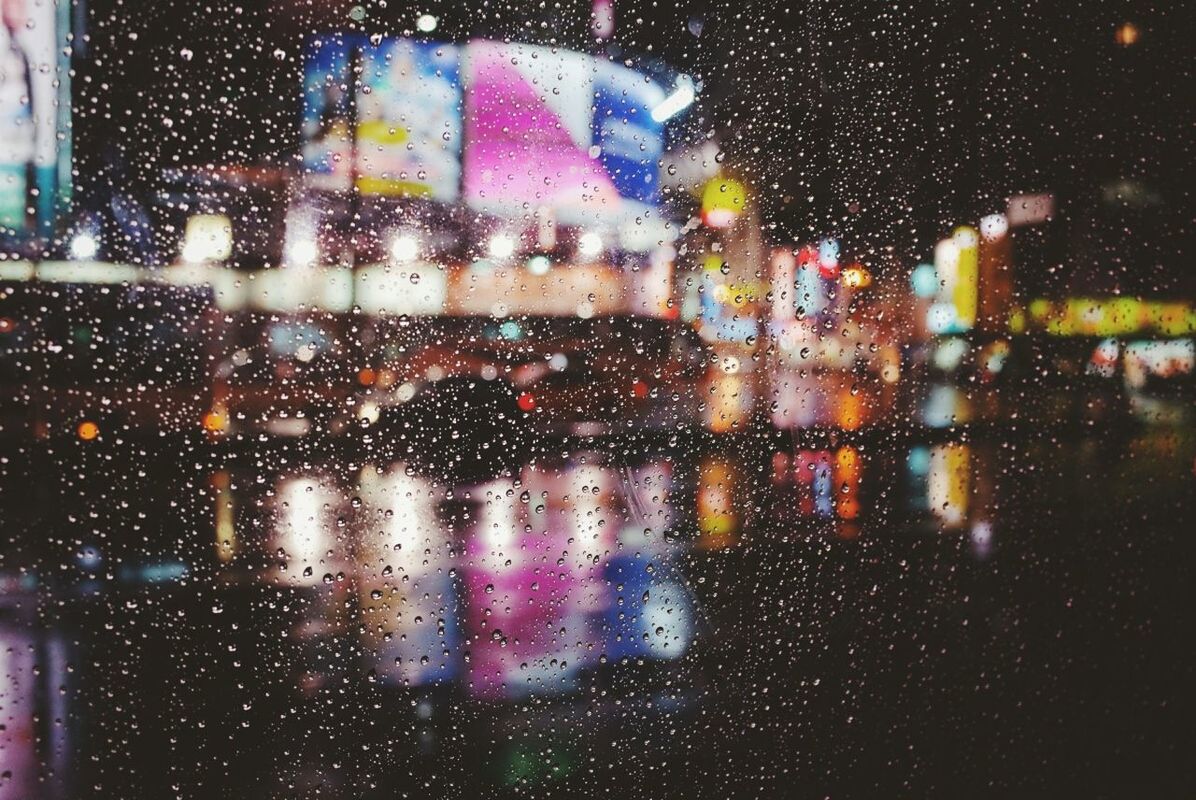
column 977, row 613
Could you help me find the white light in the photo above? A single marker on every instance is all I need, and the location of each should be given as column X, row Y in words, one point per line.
column 678, row 101
column 303, row 253
column 369, row 412
column 994, row 226
column 590, row 244
column 404, row 248
column 965, row 238
column 305, row 353
column 538, row 265
column 426, row 23
column 84, row 246
column 209, row 237
column 501, row 245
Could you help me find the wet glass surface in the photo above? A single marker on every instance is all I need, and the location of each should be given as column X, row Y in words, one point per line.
column 910, row 612
column 596, row 398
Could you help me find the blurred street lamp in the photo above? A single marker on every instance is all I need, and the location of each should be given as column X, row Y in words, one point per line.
column 590, row 244
column 84, row 246
column 993, row 226
column 857, row 277
column 426, row 23
column 1127, row 34
column 501, row 246
column 404, row 247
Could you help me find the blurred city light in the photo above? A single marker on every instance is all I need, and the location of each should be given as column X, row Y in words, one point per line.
column 723, row 200
column 501, row 246
column 681, row 99
column 84, row 246
column 426, row 23
column 303, row 253
column 924, row 281
column 994, row 226
column 590, row 244
column 404, row 247
column 1127, row 34
column 209, row 237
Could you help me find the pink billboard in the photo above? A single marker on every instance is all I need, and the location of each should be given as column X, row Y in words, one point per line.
column 528, row 121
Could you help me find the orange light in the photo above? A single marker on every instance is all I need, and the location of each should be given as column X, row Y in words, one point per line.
column 847, row 475
column 526, row 402
column 214, row 421
column 366, row 376
column 1127, row 34
column 88, row 430
column 856, row 277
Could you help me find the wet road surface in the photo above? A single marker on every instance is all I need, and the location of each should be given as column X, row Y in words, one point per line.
column 939, row 613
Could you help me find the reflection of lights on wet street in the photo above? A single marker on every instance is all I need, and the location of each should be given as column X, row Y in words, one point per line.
column 226, row 534
column 304, row 529
column 949, row 483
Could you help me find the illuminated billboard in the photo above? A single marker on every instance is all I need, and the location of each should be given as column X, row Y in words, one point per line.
column 34, row 114
column 629, row 140
column 509, row 129
column 528, row 133
column 327, row 126
column 409, row 123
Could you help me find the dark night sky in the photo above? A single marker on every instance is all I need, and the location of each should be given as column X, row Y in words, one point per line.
column 880, row 123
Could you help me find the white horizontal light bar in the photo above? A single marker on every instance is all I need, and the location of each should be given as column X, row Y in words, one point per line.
column 681, row 99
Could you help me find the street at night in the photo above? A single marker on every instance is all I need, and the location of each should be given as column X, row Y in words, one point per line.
column 595, row 400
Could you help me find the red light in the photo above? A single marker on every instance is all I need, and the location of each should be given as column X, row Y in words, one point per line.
column 640, row 389
column 526, row 402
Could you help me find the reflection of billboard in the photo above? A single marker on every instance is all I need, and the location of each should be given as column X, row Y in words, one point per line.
column 34, row 109
column 543, row 128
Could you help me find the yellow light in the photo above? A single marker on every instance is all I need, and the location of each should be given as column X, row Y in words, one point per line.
column 723, row 200
column 1127, row 34
column 88, row 430
column 226, row 532
column 208, row 237
column 214, row 421
column 856, row 277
